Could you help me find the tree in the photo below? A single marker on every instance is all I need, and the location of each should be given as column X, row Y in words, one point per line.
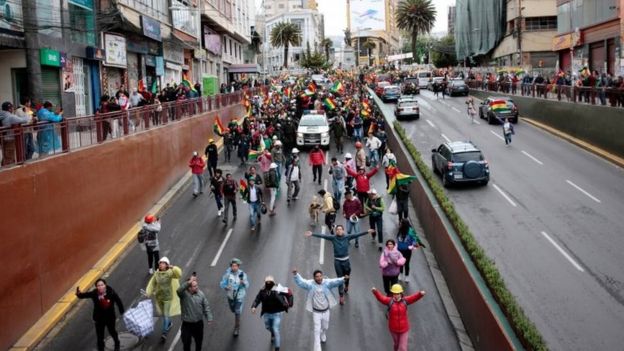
column 443, row 52
column 369, row 45
column 347, row 37
column 326, row 45
column 415, row 17
column 285, row 34
column 256, row 42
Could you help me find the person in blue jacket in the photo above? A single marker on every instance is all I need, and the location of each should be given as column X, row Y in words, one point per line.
column 235, row 284
column 47, row 137
column 407, row 240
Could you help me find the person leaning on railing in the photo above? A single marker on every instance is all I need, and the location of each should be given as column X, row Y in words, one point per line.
column 9, row 147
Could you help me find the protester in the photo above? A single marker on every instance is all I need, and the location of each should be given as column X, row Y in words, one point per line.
column 104, row 300
column 216, row 186
column 407, row 240
column 508, row 130
column 235, row 284
column 390, row 262
column 194, row 309
column 162, row 286
column 229, row 195
column 388, row 162
column 272, row 308
column 212, row 156
column 253, row 196
column 373, row 144
column 272, row 182
column 197, row 165
column 47, row 137
column 352, row 211
column 149, row 234
column 398, row 321
column 329, row 210
column 8, row 119
column 374, row 207
column 293, row 176
column 338, row 173
column 317, row 159
column 362, row 181
column 402, row 201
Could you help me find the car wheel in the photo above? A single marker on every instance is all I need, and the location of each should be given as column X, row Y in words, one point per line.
column 489, row 119
column 480, row 114
column 433, row 167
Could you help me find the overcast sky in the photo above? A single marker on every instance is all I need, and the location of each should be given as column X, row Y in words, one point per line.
column 335, row 12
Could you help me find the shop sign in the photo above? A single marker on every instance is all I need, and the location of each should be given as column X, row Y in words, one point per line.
column 86, row 4
column 94, row 53
column 140, row 47
column 566, row 41
column 160, row 65
column 49, row 57
column 173, row 66
column 150, row 61
column 151, row 28
column 172, row 53
column 115, row 48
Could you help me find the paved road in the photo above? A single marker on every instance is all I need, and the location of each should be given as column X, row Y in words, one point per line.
column 191, row 237
column 551, row 219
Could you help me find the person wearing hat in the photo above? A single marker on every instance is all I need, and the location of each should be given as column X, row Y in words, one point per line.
column 212, row 156
column 163, row 286
column 293, row 175
column 272, row 308
column 374, row 207
column 235, row 284
column 271, row 181
column 352, row 211
column 349, row 163
column 197, row 165
column 8, row 119
column 104, row 299
column 194, row 308
column 149, row 233
column 362, row 181
column 360, row 155
column 398, row 321
column 278, row 155
column 328, row 209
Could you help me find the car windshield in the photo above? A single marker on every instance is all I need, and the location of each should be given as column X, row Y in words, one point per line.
column 408, row 104
column 424, row 75
column 467, row 156
column 393, row 90
column 411, row 81
column 313, row 121
column 458, row 82
column 383, row 84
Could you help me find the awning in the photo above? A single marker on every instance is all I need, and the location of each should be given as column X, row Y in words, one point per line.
column 244, row 68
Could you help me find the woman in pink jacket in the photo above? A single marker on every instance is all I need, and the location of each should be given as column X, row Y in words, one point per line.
column 390, row 262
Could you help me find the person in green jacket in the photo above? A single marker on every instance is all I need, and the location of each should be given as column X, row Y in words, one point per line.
column 374, row 207
column 195, row 308
column 162, row 286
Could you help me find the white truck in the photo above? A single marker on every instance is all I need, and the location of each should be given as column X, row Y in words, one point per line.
column 313, row 129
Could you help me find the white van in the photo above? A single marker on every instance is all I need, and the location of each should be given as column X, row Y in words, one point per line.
column 423, row 79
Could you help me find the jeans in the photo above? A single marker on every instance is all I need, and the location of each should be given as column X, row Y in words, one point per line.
column 357, row 133
column 219, row 200
column 198, row 184
column 349, row 182
column 229, row 201
column 152, row 257
column 400, row 341
column 338, row 188
column 388, row 281
column 317, row 170
column 402, row 207
column 321, row 324
column 272, row 323
column 236, row 306
column 212, row 167
column 273, row 192
column 194, row 330
column 254, row 212
column 508, row 138
column 165, row 308
column 342, row 268
column 376, row 222
column 352, row 228
column 373, row 155
column 109, row 324
column 291, row 184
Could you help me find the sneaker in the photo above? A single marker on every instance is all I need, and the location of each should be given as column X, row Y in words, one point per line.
column 295, row 197
column 341, row 300
column 163, row 338
column 151, row 271
column 253, row 228
column 235, row 331
column 219, row 213
column 194, row 195
column 323, row 337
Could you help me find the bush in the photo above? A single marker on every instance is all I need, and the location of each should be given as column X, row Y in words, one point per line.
column 524, row 328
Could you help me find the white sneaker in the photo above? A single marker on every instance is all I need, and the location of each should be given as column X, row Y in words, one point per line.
column 219, row 213
column 151, row 271
column 323, row 337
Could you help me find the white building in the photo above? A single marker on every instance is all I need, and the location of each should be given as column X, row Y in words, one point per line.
column 344, row 58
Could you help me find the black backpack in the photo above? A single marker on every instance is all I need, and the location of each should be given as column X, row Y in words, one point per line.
column 336, row 203
column 287, row 299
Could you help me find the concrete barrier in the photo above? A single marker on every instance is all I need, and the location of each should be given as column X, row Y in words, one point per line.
column 61, row 214
column 601, row 126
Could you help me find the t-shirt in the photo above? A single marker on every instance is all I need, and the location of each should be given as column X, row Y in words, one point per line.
column 319, row 300
column 294, row 174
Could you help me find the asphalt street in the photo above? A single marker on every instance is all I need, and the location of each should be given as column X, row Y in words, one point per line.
column 551, row 218
column 194, row 238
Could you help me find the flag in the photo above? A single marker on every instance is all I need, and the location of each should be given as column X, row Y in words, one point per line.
column 262, row 145
column 371, row 129
column 312, row 87
column 411, row 232
column 242, row 187
column 287, row 92
column 155, row 88
column 253, row 155
column 364, row 113
column 399, row 179
column 329, row 104
column 218, row 127
column 141, row 86
column 337, row 88
column 187, row 83
column 499, row 105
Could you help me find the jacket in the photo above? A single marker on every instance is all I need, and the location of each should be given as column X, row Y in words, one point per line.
column 337, row 172
column 328, row 204
column 194, row 307
column 362, row 184
column 229, row 189
column 258, row 194
column 390, row 262
column 289, row 170
column 407, row 242
column 327, row 285
column 47, row 138
column 398, row 322
column 103, row 312
column 350, row 208
column 163, row 286
column 387, row 158
column 216, row 185
column 360, row 158
column 316, row 158
column 197, row 165
column 375, row 208
column 234, row 288
column 340, row 243
column 151, row 240
column 8, row 119
column 270, row 300
column 212, row 153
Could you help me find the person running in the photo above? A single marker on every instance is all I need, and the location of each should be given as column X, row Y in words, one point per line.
column 229, row 191
column 216, row 186
column 362, row 181
column 390, row 262
column 374, row 207
column 398, row 322
column 197, row 165
column 212, row 156
column 349, row 163
column 194, row 308
column 329, row 210
column 338, row 173
column 472, row 111
column 272, row 308
column 104, row 300
column 316, row 160
column 149, row 236
column 342, row 265
column 162, row 286
column 352, row 211
column 293, row 176
column 253, row 196
column 407, row 240
column 271, row 181
column 508, row 130
column 319, row 300
column 235, row 284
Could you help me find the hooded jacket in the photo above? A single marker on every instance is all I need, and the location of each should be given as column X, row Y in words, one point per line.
column 106, row 310
column 237, row 289
column 390, row 262
column 163, row 286
column 398, row 322
column 197, row 165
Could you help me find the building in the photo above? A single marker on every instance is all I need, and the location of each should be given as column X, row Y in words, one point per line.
column 590, row 34
column 451, row 20
column 272, row 8
column 373, row 21
column 344, row 58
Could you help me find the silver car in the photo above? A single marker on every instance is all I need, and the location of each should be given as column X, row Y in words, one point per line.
column 407, row 108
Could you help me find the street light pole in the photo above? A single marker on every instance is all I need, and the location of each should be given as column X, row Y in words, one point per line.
column 519, row 29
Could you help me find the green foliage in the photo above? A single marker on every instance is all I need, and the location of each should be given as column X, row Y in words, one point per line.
column 415, row 17
column 285, row 34
column 523, row 326
column 443, row 52
column 314, row 60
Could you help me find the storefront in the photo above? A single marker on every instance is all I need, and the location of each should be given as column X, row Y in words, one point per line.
column 50, row 75
column 174, row 60
column 151, row 29
column 595, row 47
column 94, row 57
column 115, row 63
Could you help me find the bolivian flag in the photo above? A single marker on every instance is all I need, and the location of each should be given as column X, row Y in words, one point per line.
column 312, row 87
column 498, row 105
column 253, row 155
column 329, row 104
column 337, row 88
column 242, row 187
column 399, row 179
column 218, row 127
column 187, row 83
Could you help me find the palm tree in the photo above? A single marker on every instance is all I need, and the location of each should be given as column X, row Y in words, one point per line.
column 369, row 45
column 326, row 44
column 285, row 34
column 415, row 17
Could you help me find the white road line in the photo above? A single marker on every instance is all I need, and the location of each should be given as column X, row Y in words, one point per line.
column 583, row 191
column 175, row 341
column 446, row 138
column 532, row 157
column 216, row 259
column 431, row 124
column 456, row 109
column 504, row 195
column 327, row 158
column 497, row 135
column 322, row 253
column 476, row 121
column 565, row 254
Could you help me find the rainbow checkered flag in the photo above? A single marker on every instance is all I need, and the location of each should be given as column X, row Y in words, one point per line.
column 218, row 127
column 398, row 180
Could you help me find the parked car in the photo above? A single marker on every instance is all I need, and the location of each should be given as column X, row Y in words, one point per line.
column 410, row 86
column 496, row 108
column 379, row 88
column 313, row 129
column 433, row 81
column 423, row 79
column 391, row 93
column 457, row 86
column 460, row 162
column 407, row 108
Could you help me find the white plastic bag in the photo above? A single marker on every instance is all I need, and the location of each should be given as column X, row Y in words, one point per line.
column 393, row 207
column 140, row 320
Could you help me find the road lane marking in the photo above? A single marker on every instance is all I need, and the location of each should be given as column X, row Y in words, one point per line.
column 327, row 157
column 322, row 253
column 532, row 157
column 563, row 252
column 476, row 121
column 431, row 124
column 504, row 195
column 216, row 259
column 456, row 109
column 175, row 340
column 583, row 191
column 497, row 135
column 446, row 138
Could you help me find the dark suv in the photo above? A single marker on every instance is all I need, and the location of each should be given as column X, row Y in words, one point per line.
column 460, row 162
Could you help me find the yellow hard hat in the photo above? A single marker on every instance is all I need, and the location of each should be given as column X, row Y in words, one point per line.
column 396, row 289
column 211, row 140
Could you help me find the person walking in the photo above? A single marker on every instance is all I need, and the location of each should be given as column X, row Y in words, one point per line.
column 216, row 186
column 407, row 241
column 373, row 144
column 229, row 191
column 104, row 300
column 278, row 155
column 360, row 155
column 329, row 210
column 342, row 265
column 319, row 300
column 293, row 176
column 272, row 308
column 149, row 236
column 472, row 111
column 390, row 262
column 352, row 211
column 402, row 200
column 374, row 207
column 162, row 286
column 253, row 196
column 398, row 322
column 508, row 130
column 339, row 130
column 271, row 181
column 212, row 156
column 348, row 163
column 338, row 173
column 197, row 165
column 316, row 160
column 235, row 284
column 362, row 181
column 194, row 308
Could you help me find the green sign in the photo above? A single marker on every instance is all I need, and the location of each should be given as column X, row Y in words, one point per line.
column 210, row 86
column 49, row 57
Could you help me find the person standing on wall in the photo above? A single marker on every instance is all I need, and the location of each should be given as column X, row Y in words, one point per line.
column 104, row 300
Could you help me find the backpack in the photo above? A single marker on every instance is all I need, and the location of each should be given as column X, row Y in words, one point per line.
column 141, row 236
column 335, row 203
column 392, row 303
column 287, row 299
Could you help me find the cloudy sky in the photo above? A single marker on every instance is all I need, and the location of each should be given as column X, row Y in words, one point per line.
column 335, row 12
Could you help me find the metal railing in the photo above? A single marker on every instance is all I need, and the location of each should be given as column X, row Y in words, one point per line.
column 606, row 96
column 26, row 143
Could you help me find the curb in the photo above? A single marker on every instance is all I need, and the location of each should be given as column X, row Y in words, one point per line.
column 578, row 142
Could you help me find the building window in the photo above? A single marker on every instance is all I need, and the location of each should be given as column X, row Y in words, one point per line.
column 82, row 25
column 540, row 23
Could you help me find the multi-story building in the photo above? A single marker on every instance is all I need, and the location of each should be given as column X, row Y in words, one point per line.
column 373, row 21
column 590, row 34
column 451, row 20
column 344, row 58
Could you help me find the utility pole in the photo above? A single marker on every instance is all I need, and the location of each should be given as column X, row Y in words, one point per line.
column 31, row 40
column 520, row 8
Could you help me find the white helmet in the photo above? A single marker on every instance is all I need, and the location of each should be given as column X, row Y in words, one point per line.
column 278, row 143
column 273, row 165
column 295, row 150
column 348, row 155
column 164, row 259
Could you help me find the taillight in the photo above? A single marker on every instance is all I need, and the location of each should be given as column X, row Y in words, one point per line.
column 449, row 165
column 514, row 108
column 487, row 165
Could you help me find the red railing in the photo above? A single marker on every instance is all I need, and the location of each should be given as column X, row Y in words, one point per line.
column 26, row 143
column 606, row 96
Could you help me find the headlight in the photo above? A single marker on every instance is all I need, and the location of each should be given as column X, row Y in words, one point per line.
column 324, row 135
column 299, row 135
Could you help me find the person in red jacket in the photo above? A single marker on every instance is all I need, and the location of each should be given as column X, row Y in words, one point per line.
column 197, row 165
column 362, row 181
column 317, row 159
column 398, row 322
